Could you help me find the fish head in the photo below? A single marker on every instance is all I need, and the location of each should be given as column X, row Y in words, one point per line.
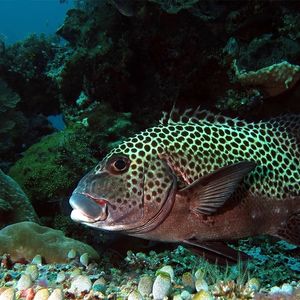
column 127, row 191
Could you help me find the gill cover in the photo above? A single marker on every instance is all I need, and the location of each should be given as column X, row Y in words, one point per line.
column 114, row 197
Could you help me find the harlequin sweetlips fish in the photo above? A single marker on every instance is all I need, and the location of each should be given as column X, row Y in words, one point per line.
column 198, row 179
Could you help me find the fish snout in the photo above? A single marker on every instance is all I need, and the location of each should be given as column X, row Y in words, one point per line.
column 87, row 208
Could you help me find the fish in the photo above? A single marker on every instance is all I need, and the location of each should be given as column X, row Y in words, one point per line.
column 200, row 179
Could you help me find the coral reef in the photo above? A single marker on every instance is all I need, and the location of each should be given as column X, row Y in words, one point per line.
column 25, row 240
column 119, row 66
column 14, row 204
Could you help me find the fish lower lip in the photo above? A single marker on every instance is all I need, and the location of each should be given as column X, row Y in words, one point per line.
column 88, row 208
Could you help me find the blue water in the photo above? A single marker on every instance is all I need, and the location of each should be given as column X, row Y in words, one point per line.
column 19, row 18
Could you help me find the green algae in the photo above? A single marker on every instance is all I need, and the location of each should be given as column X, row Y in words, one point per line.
column 50, row 168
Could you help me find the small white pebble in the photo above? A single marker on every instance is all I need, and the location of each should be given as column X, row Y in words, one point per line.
column 24, row 282
column 84, row 259
column 37, row 260
column 274, row 290
column 201, row 285
column 185, row 295
column 199, row 274
column 57, row 294
column 71, row 254
column 100, row 281
column 145, row 285
column 169, row 270
column 33, row 271
column 41, row 294
column 286, row 288
column 80, row 284
column 8, row 294
column 75, row 273
column 177, row 297
column 161, row 286
column 61, row 276
column 135, row 295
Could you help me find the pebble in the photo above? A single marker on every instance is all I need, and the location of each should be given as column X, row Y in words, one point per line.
column 253, row 284
column 201, row 285
column 161, row 286
column 57, row 294
column 199, row 274
column 145, row 285
column 71, row 254
column 135, row 295
column 84, row 259
column 24, row 282
column 287, row 289
column 60, row 277
column 177, row 297
column 274, row 290
column 75, row 272
column 185, row 295
column 32, row 271
column 8, row 294
column 188, row 281
column 37, row 260
column 99, row 285
column 203, row 295
column 41, row 294
column 80, row 284
column 169, row 270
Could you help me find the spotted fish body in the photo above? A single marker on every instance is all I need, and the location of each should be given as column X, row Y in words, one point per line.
column 201, row 177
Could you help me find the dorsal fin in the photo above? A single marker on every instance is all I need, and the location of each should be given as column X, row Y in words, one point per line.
column 199, row 116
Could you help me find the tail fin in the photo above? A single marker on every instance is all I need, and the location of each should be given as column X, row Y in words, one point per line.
column 290, row 231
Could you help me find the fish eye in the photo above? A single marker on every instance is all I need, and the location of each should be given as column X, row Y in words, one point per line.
column 118, row 165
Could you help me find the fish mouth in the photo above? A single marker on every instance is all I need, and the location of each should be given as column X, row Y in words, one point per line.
column 87, row 208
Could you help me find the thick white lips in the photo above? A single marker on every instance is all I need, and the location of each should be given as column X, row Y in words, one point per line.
column 87, row 208
column 78, row 216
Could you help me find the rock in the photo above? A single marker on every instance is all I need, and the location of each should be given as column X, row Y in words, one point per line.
column 32, row 238
column 161, row 286
column 14, row 204
column 24, row 282
column 41, row 294
column 8, row 294
column 80, row 284
column 145, row 285
column 57, row 294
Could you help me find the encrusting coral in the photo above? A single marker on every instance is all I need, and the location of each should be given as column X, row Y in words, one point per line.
column 273, row 80
column 25, row 240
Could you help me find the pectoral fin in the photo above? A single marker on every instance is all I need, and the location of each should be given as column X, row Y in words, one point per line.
column 210, row 192
column 216, row 251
